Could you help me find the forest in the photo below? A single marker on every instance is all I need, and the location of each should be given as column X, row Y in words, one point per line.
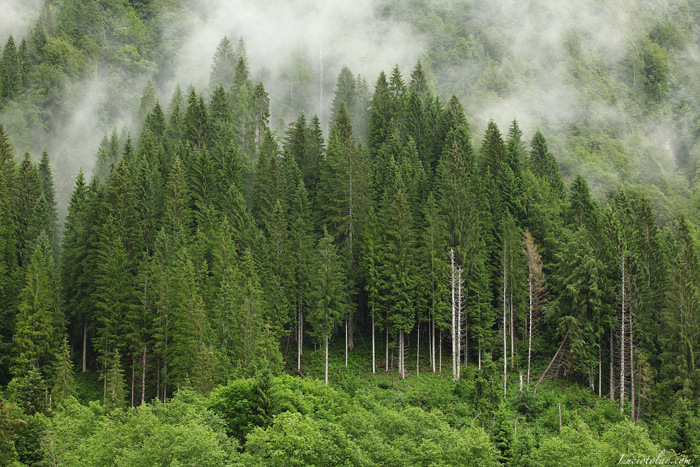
column 483, row 249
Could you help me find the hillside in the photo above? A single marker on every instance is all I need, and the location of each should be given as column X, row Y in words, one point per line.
column 425, row 232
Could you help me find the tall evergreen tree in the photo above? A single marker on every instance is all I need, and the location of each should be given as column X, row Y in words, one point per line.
column 47, row 182
column 544, row 165
column 8, row 252
column 34, row 330
column 329, row 293
column 224, row 66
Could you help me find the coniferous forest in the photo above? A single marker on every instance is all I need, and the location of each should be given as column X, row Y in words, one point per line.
column 432, row 234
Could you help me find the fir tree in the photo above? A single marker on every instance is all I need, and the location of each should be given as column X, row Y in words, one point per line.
column 34, row 331
column 223, row 68
column 64, row 383
column 329, row 293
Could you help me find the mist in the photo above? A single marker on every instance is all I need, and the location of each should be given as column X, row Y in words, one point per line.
column 527, row 64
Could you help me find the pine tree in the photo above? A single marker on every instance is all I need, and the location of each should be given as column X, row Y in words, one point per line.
column 544, row 165
column 224, row 66
column 536, row 290
column 435, row 273
column 29, row 190
column 115, row 296
column 380, row 115
column 177, row 200
column 399, row 269
column 46, row 176
column 176, row 110
column 196, row 126
column 329, row 293
column 75, row 285
column 300, row 252
column 371, row 264
column 345, row 91
column 115, row 391
column 8, row 255
column 189, row 323
column 155, row 122
column 121, row 204
column 64, row 383
column 34, row 332
column 682, row 318
column 163, row 300
column 243, row 105
column 344, row 194
column 11, row 71
column 583, row 209
column 261, row 112
column 397, row 97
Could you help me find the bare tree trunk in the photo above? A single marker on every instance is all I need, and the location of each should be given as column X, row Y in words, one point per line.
column 600, row 367
column 143, row 376
column 326, row 363
column 300, row 333
column 512, row 331
column 459, row 321
column 346, row 342
column 386, row 360
column 622, row 341
column 402, row 356
column 455, row 356
column 632, row 413
column 612, row 367
column 133, row 377
column 418, row 350
column 529, row 333
column 505, row 342
column 85, row 344
column 551, row 362
column 374, row 359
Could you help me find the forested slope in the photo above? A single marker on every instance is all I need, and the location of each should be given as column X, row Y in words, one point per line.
column 212, row 246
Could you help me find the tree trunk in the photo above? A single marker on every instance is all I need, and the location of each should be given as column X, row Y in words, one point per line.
column 505, row 342
column 326, row 363
column 402, row 356
column 529, row 333
column 455, row 356
column 133, row 378
column 459, row 321
column 612, row 367
column 418, row 350
column 143, row 376
column 85, row 344
column 374, row 360
column 600, row 367
column 622, row 341
column 632, row 413
column 347, row 321
column 300, row 332
column 386, row 360
column 432, row 344
column 551, row 362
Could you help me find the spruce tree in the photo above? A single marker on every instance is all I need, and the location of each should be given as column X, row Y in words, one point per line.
column 544, row 165
column 8, row 255
column 115, row 296
column 380, row 115
column 223, row 68
column 196, row 125
column 28, row 190
column 34, row 331
column 46, row 176
column 64, row 383
column 330, row 300
column 75, row 283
